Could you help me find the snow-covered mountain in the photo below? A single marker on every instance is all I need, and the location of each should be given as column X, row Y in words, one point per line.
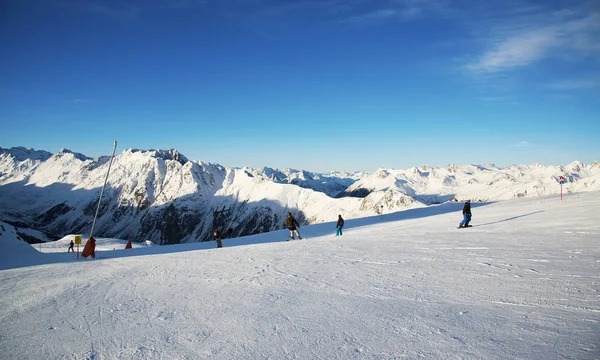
column 478, row 182
column 331, row 184
column 160, row 195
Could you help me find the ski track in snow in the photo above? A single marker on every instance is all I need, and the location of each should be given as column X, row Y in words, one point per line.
column 414, row 288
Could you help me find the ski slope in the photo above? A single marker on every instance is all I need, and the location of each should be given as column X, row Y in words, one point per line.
column 523, row 283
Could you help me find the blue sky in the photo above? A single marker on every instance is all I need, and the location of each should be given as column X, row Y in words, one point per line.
column 316, row 85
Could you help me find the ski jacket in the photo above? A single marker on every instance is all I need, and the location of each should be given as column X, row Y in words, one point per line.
column 291, row 223
column 340, row 222
column 217, row 235
column 467, row 208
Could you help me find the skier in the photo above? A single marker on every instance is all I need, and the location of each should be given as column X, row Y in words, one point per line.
column 466, row 215
column 217, row 237
column 339, row 226
column 291, row 224
column 71, row 244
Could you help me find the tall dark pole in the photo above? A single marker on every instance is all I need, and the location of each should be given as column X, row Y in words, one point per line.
column 103, row 186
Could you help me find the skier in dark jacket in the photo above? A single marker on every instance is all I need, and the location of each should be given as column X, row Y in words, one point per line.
column 217, row 237
column 339, row 225
column 71, row 244
column 466, row 215
column 291, row 223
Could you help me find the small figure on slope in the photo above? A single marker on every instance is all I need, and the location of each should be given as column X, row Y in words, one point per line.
column 71, row 244
column 217, row 237
column 466, row 215
column 292, row 224
column 339, row 225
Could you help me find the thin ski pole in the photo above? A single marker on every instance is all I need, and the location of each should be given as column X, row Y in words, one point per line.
column 103, row 186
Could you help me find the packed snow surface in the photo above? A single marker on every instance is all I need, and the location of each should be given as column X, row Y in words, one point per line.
column 522, row 283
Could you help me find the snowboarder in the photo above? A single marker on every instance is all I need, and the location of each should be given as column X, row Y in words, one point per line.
column 466, row 215
column 291, row 223
column 217, row 237
column 339, row 226
column 71, row 244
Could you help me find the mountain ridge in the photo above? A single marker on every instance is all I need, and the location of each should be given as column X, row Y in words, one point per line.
column 162, row 196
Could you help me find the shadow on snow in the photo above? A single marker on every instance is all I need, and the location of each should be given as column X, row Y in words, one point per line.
column 509, row 219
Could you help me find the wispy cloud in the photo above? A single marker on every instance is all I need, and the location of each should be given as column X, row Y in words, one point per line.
column 493, row 99
column 123, row 10
column 268, row 17
column 536, row 37
column 518, row 50
column 374, row 15
column 398, row 10
column 340, row 11
column 80, row 101
column 185, row 4
column 414, row 8
column 522, row 144
column 132, row 9
column 77, row 101
column 574, row 84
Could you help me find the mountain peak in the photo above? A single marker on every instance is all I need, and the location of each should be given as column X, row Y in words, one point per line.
column 21, row 153
column 75, row 154
column 169, row 154
column 382, row 173
column 576, row 166
column 451, row 168
column 415, row 171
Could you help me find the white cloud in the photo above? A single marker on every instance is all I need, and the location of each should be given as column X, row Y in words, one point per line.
column 518, row 50
column 524, row 44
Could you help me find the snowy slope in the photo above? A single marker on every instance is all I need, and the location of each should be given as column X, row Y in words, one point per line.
column 523, row 283
column 16, row 251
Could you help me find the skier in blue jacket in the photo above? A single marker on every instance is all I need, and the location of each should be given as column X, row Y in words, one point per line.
column 339, row 225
